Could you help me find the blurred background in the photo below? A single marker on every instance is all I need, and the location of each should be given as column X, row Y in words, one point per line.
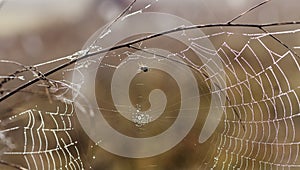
column 33, row 31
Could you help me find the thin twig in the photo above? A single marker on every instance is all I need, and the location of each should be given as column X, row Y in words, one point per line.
column 88, row 50
column 32, row 69
column 12, row 165
column 111, row 24
column 11, row 76
column 279, row 41
column 127, row 9
column 247, row 11
column 127, row 44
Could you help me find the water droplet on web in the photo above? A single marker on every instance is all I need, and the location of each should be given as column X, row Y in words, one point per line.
column 140, row 118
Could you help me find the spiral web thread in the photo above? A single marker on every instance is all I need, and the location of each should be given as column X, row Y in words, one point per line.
column 261, row 116
column 262, row 112
column 265, row 95
column 47, row 139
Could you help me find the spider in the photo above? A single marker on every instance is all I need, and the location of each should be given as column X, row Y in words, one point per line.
column 143, row 68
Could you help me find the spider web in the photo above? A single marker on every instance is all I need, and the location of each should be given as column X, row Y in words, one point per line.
column 47, row 139
column 260, row 123
column 265, row 96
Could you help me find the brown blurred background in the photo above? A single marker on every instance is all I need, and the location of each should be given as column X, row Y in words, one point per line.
column 33, row 31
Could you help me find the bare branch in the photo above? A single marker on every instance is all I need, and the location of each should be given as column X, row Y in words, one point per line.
column 110, row 24
column 247, row 11
column 127, row 44
column 279, row 41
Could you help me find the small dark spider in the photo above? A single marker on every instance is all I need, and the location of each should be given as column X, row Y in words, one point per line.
column 144, row 68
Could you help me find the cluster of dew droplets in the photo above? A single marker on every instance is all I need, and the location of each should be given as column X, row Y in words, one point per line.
column 140, row 118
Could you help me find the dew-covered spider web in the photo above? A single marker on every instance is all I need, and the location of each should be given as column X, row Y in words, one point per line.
column 247, row 75
column 46, row 137
column 261, row 119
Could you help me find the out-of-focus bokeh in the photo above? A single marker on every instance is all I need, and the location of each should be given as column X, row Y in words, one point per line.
column 34, row 31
